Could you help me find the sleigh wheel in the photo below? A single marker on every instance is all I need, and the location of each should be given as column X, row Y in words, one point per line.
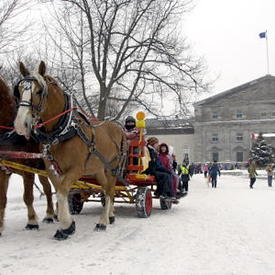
column 75, row 203
column 165, row 204
column 144, row 202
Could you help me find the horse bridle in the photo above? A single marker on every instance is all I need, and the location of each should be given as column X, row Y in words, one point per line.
column 27, row 82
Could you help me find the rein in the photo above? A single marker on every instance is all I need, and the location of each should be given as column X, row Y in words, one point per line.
column 39, row 125
column 6, row 127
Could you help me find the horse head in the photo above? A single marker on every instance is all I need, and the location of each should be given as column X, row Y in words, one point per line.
column 32, row 93
column 7, row 102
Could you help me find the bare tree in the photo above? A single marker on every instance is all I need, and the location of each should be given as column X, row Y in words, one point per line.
column 133, row 49
column 11, row 29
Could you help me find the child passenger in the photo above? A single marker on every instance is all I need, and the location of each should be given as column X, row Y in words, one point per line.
column 166, row 162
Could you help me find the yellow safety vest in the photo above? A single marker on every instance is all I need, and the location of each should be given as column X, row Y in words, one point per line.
column 184, row 170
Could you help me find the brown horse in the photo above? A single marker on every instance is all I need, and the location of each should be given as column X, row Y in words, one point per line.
column 11, row 141
column 73, row 148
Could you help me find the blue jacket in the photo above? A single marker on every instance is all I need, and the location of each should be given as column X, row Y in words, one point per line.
column 214, row 171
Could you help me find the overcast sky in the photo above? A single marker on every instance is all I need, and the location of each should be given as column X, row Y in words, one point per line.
column 226, row 34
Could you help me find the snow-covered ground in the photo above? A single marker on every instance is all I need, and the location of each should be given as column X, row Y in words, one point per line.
column 228, row 230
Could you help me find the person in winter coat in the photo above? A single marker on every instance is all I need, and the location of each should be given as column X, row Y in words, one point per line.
column 130, row 128
column 163, row 176
column 214, row 171
column 269, row 170
column 185, row 177
column 166, row 160
column 205, row 169
column 252, row 173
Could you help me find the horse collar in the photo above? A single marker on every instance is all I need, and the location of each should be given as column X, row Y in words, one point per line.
column 63, row 130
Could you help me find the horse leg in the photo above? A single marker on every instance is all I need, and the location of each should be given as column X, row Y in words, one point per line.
column 67, row 224
column 111, row 191
column 4, row 180
column 28, row 199
column 108, row 183
column 48, row 192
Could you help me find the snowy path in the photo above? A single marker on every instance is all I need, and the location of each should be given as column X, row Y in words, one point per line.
column 228, row 230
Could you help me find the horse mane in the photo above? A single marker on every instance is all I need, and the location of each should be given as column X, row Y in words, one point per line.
column 50, row 79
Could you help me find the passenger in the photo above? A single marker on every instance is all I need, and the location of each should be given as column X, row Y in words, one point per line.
column 132, row 133
column 164, row 188
column 130, row 128
column 166, row 160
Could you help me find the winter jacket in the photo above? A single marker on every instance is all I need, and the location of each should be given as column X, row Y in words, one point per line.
column 269, row 171
column 252, row 172
column 184, row 172
column 165, row 161
column 214, row 170
column 155, row 164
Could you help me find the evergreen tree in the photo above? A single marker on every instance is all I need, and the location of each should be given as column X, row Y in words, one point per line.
column 261, row 152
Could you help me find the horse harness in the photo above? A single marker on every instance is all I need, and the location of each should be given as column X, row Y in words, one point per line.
column 68, row 126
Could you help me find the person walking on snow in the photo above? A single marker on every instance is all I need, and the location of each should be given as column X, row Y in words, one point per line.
column 185, row 177
column 213, row 173
column 269, row 170
column 252, row 173
column 205, row 169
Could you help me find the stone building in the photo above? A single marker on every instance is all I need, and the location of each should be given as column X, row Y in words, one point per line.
column 225, row 122
column 178, row 133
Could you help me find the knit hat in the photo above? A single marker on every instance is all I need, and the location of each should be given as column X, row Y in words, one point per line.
column 130, row 123
column 152, row 141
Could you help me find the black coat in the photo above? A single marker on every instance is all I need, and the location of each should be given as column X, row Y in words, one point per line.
column 155, row 164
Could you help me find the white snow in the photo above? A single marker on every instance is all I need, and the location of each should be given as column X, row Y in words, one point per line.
column 228, row 230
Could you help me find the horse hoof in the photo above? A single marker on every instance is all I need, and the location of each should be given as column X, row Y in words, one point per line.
column 63, row 234
column 48, row 220
column 112, row 219
column 60, row 235
column 70, row 230
column 100, row 227
column 32, row 227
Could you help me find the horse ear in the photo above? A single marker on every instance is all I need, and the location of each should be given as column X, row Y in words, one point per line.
column 42, row 68
column 23, row 70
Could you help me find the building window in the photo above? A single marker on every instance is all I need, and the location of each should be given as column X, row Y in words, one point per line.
column 239, row 137
column 273, row 113
column 215, row 156
column 215, row 115
column 263, row 114
column 239, row 115
column 239, row 156
column 215, row 137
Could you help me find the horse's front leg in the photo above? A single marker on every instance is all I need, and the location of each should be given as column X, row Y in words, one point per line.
column 67, row 224
column 4, row 180
column 28, row 199
column 48, row 192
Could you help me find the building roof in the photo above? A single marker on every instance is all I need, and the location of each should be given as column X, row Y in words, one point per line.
column 242, row 87
column 167, row 123
column 169, row 127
